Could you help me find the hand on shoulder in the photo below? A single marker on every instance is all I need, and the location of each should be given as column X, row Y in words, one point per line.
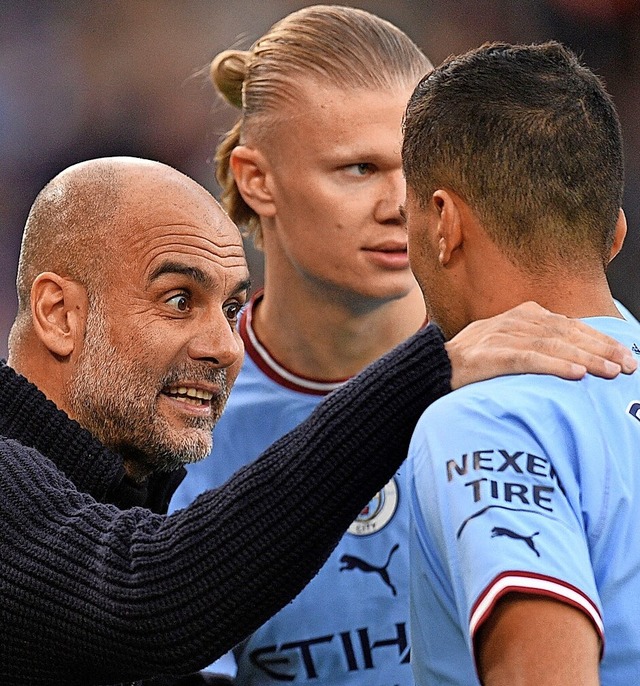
column 530, row 339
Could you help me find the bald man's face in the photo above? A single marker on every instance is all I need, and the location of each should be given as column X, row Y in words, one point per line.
column 161, row 350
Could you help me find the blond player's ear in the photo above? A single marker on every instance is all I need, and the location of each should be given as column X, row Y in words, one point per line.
column 252, row 175
column 58, row 310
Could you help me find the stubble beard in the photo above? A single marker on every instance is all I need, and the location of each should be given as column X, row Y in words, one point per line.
column 114, row 395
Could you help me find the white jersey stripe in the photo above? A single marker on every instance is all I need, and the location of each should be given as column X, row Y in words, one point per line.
column 528, row 583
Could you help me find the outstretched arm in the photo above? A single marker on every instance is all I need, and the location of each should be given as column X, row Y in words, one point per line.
column 118, row 595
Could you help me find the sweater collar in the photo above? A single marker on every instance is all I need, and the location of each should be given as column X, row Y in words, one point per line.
column 29, row 417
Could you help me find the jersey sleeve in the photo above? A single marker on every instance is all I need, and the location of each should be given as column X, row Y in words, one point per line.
column 497, row 506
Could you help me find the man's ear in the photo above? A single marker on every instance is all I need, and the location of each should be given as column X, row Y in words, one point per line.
column 450, row 230
column 620, row 234
column 250, row 170
column 59, row 311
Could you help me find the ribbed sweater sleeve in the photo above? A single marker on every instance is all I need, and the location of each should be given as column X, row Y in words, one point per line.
column 92, row 594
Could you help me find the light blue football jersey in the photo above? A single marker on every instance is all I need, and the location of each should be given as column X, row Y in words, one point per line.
column 531, row 484
column 625, row 312
column 350, row 625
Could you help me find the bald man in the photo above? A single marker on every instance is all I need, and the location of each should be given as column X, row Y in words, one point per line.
column 121, row 357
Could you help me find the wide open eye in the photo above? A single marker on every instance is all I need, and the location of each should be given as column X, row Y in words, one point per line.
column 232, row 310
column 180, row 302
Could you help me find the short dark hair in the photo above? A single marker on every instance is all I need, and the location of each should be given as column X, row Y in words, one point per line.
column 530, row 139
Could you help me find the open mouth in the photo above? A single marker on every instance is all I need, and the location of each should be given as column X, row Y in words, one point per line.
column 190, row 395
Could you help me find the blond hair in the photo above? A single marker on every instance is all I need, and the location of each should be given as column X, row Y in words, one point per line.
column 347, row 47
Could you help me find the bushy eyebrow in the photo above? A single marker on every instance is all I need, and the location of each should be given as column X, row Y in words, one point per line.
column 195, row 274
column 244, row 285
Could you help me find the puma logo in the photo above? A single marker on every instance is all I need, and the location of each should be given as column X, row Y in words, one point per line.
column 499, row 531
column 353, row 562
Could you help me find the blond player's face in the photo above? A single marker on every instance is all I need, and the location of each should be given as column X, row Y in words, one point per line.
column 337, row 178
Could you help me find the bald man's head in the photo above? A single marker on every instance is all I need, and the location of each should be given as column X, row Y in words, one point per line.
column 77, row 222
column 130, row 279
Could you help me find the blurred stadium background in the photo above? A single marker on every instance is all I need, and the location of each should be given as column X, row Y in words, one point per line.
column 82, row 79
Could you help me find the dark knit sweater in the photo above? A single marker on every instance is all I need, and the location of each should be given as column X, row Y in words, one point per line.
column 91, row 593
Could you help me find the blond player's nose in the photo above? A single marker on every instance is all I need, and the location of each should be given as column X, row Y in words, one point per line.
column 392, row 196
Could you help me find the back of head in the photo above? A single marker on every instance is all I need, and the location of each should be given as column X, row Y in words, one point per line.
column 530, row 139
column 343, row 47
column 65, row 233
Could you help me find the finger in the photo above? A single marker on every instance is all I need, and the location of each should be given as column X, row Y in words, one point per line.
column 530, row 325
column 554, row 358
column 561, row 357
column 591, row 347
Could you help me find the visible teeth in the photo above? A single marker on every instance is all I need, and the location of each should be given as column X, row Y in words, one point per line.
column 182, row 393
column 188, row 400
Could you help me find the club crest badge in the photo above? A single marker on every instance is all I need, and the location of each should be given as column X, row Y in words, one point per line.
column 378, row 512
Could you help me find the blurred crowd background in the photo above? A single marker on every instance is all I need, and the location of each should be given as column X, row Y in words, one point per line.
column 82, row 79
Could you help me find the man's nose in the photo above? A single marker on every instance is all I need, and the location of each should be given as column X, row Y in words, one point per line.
column 392, row 196
column 216, row 342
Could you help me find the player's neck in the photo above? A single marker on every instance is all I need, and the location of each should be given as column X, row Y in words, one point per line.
column 323, row 339
column 571, row 296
